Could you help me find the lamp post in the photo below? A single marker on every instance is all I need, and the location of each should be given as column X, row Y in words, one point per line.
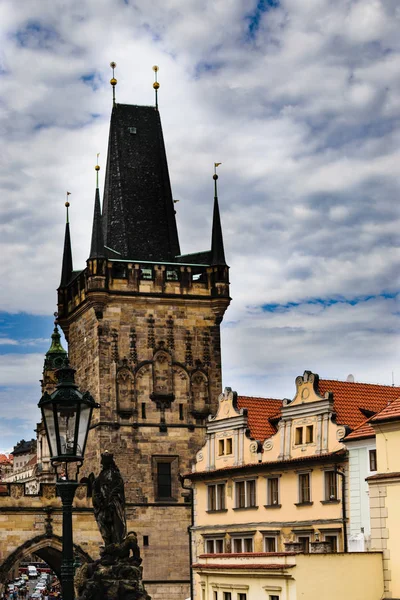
column 66, row 415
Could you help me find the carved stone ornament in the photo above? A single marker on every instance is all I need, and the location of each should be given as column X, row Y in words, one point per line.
column 268, row 445
column 340, row 433
column 117, row 575
column 253, row 447
column 200, row 456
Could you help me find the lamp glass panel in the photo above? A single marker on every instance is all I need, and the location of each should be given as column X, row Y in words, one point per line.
column 66, row 417
column 84, row 422
column 48, row 417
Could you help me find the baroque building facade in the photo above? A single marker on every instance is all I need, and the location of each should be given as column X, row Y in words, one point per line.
column 142, row 323
column 273, row 494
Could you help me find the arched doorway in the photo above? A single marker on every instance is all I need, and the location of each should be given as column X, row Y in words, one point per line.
column 48, row 548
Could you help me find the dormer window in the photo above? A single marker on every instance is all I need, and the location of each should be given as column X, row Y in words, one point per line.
column 225, row 447
column 299, row 436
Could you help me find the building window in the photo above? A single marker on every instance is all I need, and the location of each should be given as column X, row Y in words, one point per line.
column 273, row 491
column 304, row 488
column 269, row 543
column 172, row 275
column 372, row 460
column 333, row 541
column 181, row 417
column 215, row 595
column 216, row 496
column 214, row 546
column 305, row 543
column 242, row 597
column 143, row 410
column 224, row 447
column 299, row 435
column 245, row 493
column 309, row 434
column 242, row 544
column 147, row 273
column 330, row 486
column 164, row 487
column 145, row 540
column 274, row 597
column 227, row 596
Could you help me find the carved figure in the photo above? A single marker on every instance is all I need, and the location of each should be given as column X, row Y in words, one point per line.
column 117, row 574
column 108, row 495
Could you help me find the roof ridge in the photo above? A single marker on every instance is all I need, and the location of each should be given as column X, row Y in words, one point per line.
column 261, row 398
column 362, row 383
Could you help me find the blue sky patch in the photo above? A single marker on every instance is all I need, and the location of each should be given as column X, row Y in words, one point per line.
column 254, row 18
column 324, row 302
column 22, row 333
column 36, row 35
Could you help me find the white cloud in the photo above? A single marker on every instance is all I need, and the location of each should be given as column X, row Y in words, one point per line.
column 303, row 114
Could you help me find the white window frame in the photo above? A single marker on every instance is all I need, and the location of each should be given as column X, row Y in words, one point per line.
column 277, row 503
column 218, row 506
column 246, row 493
column 214, row 539
column 242, row 537
column 300, row 500
column 270, row 536
column 335, row 498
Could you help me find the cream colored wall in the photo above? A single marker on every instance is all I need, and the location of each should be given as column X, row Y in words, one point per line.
column 392, row 504
column 387, row 447
column 353, row 576
column 288, row 497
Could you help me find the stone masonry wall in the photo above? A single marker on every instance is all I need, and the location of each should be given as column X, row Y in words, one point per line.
column 142, row 353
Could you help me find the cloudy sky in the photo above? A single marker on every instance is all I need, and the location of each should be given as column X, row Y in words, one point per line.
column 300, row 101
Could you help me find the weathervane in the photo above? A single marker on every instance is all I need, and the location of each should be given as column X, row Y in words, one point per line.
column 113, row 81
column 156, row 85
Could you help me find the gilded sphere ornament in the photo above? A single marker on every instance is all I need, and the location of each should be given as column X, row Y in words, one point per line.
column 113, row 81
column 113, row 64
column 97, row 168
column 156, row 85
column 155, row 68
column 215, row 177
column 67, row 204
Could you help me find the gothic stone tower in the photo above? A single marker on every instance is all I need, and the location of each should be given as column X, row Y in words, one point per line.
column 143, row 328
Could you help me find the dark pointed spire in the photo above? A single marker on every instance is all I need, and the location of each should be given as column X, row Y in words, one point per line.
column 67, row 268
column 138, row 210
column 217, row 242
column 97, row 246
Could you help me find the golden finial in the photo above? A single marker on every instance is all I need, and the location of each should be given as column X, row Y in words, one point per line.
column 215, row 177
column 113, row 81
column 97, row 169
column 67, row 205
column 156, row 85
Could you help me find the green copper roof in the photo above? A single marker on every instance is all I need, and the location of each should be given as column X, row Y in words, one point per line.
column 56, row 347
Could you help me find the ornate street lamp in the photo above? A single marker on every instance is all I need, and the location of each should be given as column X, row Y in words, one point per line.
column 66, row 415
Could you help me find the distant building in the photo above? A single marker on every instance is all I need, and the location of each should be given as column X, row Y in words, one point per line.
column 6, row 465
column 24, row 466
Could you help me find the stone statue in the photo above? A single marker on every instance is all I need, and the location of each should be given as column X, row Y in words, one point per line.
column 117, row 575
column 108, row 497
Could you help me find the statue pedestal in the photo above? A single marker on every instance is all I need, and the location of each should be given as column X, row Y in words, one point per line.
column 117, row 575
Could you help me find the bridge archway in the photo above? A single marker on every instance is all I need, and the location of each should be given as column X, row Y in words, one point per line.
column 48, row 548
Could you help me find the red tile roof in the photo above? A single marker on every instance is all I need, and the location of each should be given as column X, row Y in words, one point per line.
column 349, row 398
column 5, row 459
column 260, row 410
column 338, row 456
column 241, row 566
column 390, row 413
column 363, row 431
